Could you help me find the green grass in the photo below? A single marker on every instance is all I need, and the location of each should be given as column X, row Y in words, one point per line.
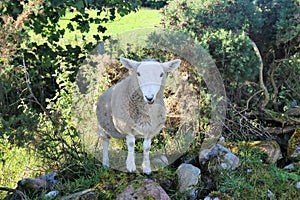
column 144, row 18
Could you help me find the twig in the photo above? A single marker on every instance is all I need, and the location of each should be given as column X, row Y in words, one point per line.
column 248, row 101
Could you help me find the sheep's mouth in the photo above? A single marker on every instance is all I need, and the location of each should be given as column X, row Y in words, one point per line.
column 150, row 102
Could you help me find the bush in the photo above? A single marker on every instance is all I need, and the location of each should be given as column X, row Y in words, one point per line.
column 155, row 4
column 226, row 28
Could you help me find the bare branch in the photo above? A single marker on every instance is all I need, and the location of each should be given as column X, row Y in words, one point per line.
column 261, row 77
column 15, row 192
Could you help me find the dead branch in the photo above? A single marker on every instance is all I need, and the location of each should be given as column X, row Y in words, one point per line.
column 279, row 130
column 275, row 93
column 15, row 192
column 261, row 77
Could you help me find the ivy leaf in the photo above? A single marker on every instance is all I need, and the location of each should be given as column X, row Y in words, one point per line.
column 70, row 26
column 101, row 29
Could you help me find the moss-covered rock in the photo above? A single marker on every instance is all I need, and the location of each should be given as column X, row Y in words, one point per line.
column 293, row 150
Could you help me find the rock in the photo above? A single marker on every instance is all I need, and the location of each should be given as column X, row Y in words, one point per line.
column 43, row 182
column 270, row 147
column 211, row 198
column 298, row 185
column 146, row 188
column 51, row 194
column 88, row 194
column 292, row 166
column 270, row 194
column 31, row 184
column 159, row 161
column 188, row 177
column 293, row 150
column 50, row 179
column 218, row 157
column 215, row 195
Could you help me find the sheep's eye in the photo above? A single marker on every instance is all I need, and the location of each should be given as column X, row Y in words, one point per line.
column 161, row 75
column 138, row 73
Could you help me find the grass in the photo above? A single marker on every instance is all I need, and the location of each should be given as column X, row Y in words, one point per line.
column 144, row 18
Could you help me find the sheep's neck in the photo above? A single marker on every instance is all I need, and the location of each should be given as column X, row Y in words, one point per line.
column 139, row 110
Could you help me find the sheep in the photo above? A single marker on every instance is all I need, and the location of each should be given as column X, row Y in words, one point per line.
column 134, row 108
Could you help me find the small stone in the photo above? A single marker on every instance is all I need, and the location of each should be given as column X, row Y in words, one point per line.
column 290, row 167
column 188, row 176
column 270, row 194
column 298, row 185
column 51, row 194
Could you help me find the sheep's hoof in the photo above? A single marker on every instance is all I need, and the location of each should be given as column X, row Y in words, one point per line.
column 132, row 170
column 147, row 171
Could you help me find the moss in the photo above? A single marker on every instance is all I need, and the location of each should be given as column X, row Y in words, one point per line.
column 293, row 144
column 221, row 196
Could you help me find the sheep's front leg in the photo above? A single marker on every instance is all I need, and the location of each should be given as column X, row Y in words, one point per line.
column 146, row 159
column 130, row 162
column 105, row 159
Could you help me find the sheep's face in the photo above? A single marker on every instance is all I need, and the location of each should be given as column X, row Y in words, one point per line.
column 151, row 75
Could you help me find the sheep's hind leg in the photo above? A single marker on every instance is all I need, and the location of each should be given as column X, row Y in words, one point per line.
column 130, row 162
column 146, row 159
column 105, row 159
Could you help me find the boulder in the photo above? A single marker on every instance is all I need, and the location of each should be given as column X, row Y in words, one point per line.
column 141, row 189
column 270, row 147
column 188, row 178
column 218, row 157
column 293, row 150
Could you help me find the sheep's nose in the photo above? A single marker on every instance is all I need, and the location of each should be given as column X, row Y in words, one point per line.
column 150, row 99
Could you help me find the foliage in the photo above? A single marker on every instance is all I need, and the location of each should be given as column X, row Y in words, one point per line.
column 37, row 73
column 226, row 28
column 253, row 179
column 16, row 162
column 156, row 4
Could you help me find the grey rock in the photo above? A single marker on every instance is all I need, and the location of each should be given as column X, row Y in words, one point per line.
column 219, row 157
column 51, row 194
column 50, row 179
column 298, row 185
column 211, row 198
column 147, row 188
column 290, row 167
column 270, row 194
column 188, row 178
column 43, row 182
column 159, row 161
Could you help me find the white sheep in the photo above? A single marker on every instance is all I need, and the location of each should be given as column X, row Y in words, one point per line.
column 134, row 108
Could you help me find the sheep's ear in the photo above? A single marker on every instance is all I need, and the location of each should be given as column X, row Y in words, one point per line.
column 129, row 64
column 171, row 65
